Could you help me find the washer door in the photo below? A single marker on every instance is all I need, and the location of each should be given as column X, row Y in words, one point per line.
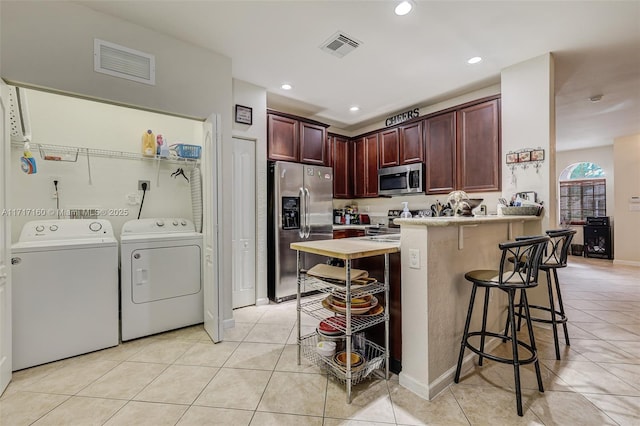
column 165, row 272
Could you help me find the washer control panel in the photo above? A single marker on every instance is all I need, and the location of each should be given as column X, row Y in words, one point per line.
column 65, row 229
column 159, row 225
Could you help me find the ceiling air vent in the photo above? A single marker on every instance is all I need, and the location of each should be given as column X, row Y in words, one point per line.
column 123, row 62
column 340, row 44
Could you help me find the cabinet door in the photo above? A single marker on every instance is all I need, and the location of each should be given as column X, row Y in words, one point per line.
column 365, row 167
column 371, row 164
column 312, row 144
column 282, row 138
column 328, row 149
column 411, row 143
column 359, row 167
column 339, row 233
column 440, row 138
column 389, row 148
column 341, row 168
column 479, row 147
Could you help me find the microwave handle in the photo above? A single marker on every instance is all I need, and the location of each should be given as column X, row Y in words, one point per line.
column 301, row 213
column 307, row 210
column 408, row 179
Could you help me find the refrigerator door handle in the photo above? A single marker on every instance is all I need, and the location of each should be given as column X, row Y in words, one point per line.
column 307, row 212
column 302, row 213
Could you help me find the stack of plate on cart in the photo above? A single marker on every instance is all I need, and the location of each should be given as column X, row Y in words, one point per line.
column 360, row 306
column 337, row 276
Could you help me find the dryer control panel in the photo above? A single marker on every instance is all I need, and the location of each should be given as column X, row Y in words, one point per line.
column 65, row 229
column 159, row 225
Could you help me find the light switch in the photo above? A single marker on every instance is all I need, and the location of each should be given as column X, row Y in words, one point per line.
column 414, row 258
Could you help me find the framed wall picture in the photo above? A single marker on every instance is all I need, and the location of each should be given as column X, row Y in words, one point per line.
column 537, row 155
column 512, row 158
column 244, row 114
column 524, row 156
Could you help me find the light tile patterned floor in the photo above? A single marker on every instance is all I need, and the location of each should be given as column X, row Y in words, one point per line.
column 181, row 378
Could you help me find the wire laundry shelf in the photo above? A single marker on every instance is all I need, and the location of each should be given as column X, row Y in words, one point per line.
column 70, row 153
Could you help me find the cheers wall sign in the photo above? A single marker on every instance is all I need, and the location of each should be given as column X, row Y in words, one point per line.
column 403, row 116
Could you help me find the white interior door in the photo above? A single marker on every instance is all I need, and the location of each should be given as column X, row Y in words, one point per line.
column 212, row 213
column 5, row 244
column 244, row 222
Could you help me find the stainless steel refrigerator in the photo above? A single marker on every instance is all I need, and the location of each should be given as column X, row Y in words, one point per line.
column 300, row 209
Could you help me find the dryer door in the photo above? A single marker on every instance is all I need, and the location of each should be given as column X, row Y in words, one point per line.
column 165, row 272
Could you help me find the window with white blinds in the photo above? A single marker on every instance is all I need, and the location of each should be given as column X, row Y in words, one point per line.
column 580, row 199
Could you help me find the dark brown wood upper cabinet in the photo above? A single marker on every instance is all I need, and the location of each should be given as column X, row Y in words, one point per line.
column 342, row 167
column 282, row 140
column 365, row 167
column 411, row 143
column 478, row 131
column 291, row 138
column 388, row 148
column 440, row 141
column 313, row 138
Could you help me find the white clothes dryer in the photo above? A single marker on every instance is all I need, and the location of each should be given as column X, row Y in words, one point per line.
column 160, row 276
column 65, row 290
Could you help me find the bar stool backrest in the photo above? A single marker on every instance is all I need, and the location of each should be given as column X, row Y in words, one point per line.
column 557, row 250
column 520, row 261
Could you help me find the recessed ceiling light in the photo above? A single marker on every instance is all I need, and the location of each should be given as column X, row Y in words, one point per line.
column 474, row 60
column 404, row 7
column 354, row 108
column 595, row 98
column 286, row 86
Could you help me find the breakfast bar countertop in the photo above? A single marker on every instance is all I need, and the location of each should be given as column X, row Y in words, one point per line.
column 462, row 220
column 347, row 248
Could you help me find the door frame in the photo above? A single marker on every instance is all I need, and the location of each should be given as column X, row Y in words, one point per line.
column 6, row 350
column 212, row 231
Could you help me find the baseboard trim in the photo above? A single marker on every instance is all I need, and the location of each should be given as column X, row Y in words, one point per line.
column 228, row 323
column 626, row 263
column 262, row 301
column 441, row 383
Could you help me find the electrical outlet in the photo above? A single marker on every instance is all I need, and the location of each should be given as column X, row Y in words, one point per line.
column 414, row 258
column 140, row 182
column 54, row 191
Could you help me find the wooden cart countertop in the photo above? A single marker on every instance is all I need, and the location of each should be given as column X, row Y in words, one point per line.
column 347, row 248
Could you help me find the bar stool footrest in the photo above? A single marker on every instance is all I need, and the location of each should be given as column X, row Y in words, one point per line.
column 532, row 358
column 560, row 318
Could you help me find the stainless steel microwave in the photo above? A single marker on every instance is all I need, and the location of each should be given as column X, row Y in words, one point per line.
column 401, row 180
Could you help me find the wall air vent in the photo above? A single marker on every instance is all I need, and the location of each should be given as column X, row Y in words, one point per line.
column 340, row 44
column 123, row 62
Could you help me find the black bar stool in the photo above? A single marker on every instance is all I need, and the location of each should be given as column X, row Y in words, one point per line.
column 553, row 258
column 519, row 273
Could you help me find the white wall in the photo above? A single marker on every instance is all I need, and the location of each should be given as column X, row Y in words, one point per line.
column 253, row 96
column 191, row 81
column 626, row 157
column 74, row 122
column 528, row 121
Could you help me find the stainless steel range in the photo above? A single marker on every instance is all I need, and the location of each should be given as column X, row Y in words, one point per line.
column 390, row 227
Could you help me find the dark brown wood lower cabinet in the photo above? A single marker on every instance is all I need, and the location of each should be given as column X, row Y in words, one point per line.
column 375, row 266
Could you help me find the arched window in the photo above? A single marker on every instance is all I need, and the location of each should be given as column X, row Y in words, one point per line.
column 583, row 193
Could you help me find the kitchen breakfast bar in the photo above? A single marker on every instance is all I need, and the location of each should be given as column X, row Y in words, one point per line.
column 435, row 255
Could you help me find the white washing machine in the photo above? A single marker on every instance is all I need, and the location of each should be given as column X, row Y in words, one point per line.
column 160, row 276
column 65, row 290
